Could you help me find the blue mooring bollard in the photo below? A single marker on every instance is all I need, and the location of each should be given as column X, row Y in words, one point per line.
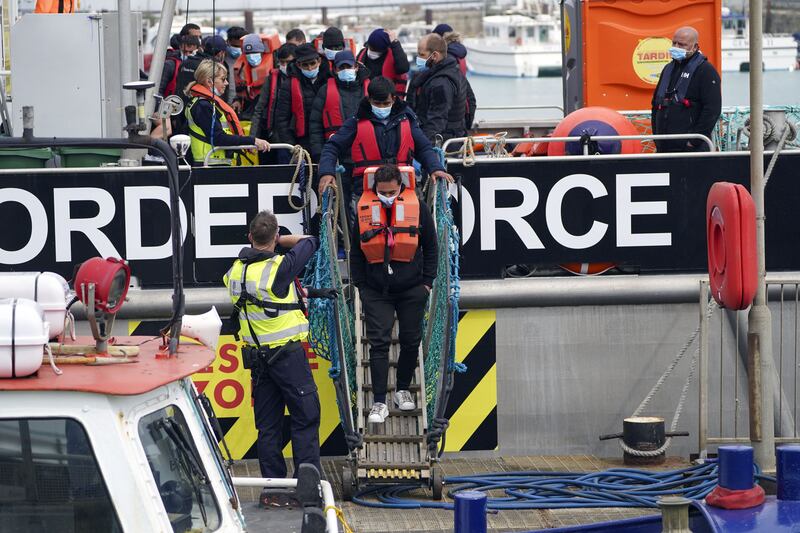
column 788, row 472
column 736, row 467
column 470, row 512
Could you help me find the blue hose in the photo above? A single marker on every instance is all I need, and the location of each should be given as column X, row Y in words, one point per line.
column 617, row 487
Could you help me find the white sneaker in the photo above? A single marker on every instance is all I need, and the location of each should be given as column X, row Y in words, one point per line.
column 404, row 401
column 378, row 413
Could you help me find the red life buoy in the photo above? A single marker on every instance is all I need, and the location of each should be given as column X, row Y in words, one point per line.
column 587, row 269
column 731, row 238
column 595, row 120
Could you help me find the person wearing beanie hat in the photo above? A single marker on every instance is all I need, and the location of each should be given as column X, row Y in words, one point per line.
column 307, row 74
column 392, row 121
column 234, row 37
column 441, row 29
column 337, row 101
column 252, row 69
column 384, row 56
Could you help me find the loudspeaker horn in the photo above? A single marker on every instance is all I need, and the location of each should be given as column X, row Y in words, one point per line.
column 204, row 328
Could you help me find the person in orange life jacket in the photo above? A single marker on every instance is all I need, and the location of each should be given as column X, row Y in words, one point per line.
column 234, row 36
column 393, row 280
column 188, row 43
column 384, row 56
column 295, row 99
column 688, row 97
column 208, row 108
column 295, row 36
column 384, row 130
column 337, row 100
column 281, row 375
column 252, row 72
column 332, row 43
column 457, row 50
column 437, row 92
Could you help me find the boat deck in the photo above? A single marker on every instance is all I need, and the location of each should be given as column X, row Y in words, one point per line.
column 371, row 520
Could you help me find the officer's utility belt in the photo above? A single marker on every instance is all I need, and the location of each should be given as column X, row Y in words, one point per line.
column 252, row 356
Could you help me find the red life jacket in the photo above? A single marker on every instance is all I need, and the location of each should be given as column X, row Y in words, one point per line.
column 332, row 118
column 274, row 76
column 383, row 239
column 366, row 153
column 387, row 71
column 201, row 91
column 170, row 88
column 298, row 110
column 462, row 65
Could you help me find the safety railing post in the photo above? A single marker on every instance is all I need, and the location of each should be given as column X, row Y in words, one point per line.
column 702, row 429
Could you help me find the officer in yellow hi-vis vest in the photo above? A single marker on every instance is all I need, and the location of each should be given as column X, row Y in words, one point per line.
column 269, row 315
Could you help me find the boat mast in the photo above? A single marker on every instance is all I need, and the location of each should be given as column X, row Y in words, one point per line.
column 760, row 376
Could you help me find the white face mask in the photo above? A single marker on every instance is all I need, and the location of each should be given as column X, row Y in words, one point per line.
column 284, row 69
column 374, row 55
column 387, row 200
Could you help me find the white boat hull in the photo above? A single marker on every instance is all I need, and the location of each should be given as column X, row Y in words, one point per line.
column 779, row 53
column 489, row 59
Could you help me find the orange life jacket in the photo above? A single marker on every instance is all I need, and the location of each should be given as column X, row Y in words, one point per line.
column 54, row 6
column 366, row 153
column 387, row 71
column 298, row 110
column 170, row 88
column 269, row 112
column 332, row 114
column 250, row 79
column 201, row 91
column 388, row 234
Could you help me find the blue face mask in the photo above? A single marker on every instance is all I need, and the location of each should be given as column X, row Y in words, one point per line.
column 678, row 54
column 422, row 64
column 234, row 51
column 381, row 113
column 310, row 74
column 348, row 74
column 254, row 59
column 330, row 54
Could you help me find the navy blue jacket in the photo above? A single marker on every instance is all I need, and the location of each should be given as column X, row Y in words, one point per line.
column 388, row 136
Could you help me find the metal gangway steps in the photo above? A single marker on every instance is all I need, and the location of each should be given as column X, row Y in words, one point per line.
column 395, row 451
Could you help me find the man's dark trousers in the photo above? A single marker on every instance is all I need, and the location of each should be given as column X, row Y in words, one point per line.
column 379, row 311
column 287, row 382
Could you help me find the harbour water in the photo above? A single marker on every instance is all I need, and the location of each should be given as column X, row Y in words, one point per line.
column 780, row 88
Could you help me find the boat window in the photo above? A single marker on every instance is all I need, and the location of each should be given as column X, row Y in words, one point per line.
column 544, row 35
column 531, row 32
column 50, row 479
column 512, row 32
column 178, row 471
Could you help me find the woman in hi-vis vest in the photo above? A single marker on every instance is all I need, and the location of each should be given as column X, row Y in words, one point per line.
column 211, row 121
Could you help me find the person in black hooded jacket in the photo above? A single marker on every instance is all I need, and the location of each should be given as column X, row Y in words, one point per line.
column 349, row 80
column 438, row 93
column 458, row 51
column 311, row 72
column 381, row 100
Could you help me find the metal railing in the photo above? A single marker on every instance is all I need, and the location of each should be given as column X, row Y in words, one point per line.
column 488, row 140
column 519, row 108
column 215, row 149
column 723, row 395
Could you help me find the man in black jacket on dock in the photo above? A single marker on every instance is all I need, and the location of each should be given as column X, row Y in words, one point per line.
column 688, row 97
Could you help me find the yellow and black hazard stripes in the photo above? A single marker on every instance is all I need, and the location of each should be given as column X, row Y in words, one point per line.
column 472, row 408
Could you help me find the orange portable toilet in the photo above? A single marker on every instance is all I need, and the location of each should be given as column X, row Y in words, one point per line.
column 614, row 50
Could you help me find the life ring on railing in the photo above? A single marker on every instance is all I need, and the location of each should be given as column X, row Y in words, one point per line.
column 587, row 269
column 595, row 120
column 731, row 239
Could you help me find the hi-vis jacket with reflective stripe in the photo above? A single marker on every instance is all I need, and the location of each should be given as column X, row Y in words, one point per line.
column 272, row 328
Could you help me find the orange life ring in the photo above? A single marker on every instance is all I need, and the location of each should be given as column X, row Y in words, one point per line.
column 731, row 238
column 587, row 269
column 595, row 116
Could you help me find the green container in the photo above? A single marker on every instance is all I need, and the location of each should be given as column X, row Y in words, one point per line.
column 88, row 157
column 25, row 157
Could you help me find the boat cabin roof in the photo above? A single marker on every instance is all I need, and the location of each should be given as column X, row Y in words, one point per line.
column 146, row 374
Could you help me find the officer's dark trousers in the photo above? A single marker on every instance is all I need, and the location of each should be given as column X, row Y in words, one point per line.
column 286, row 383
column 379, row 311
